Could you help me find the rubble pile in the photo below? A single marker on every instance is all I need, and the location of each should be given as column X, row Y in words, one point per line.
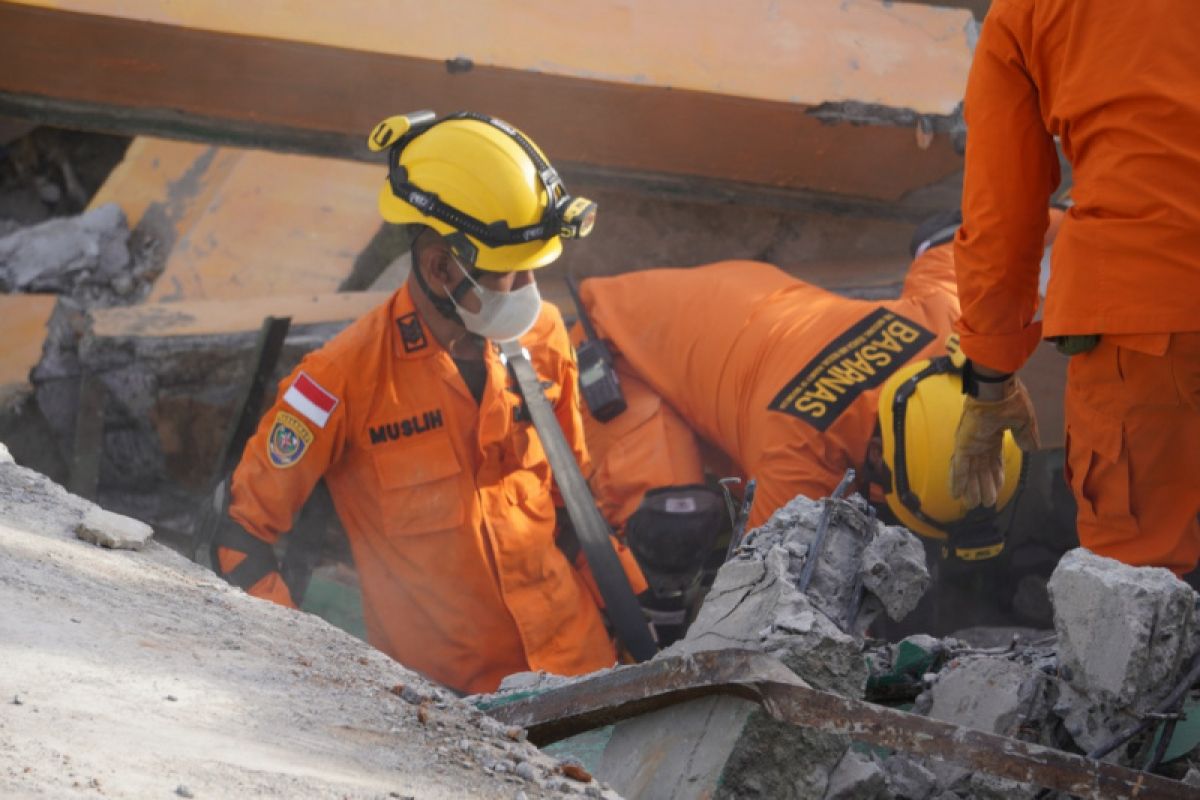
column 85, row 258
column 1124, row 639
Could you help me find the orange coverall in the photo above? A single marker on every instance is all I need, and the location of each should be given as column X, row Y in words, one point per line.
column 448, row 505
column 1119, row 84
column 782, row 376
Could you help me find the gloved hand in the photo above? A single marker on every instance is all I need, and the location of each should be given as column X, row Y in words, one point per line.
column 977, row 466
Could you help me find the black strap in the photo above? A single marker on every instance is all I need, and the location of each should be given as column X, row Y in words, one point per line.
column 260, row 558
column 595, row 536
column 585, row 320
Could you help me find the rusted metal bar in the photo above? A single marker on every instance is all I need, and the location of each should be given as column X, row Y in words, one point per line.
column 818, row 545
column 630, row 691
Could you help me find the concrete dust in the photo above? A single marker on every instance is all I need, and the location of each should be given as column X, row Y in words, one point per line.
column 139, row 674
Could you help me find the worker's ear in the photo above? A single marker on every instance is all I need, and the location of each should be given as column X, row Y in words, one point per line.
column 440, row 271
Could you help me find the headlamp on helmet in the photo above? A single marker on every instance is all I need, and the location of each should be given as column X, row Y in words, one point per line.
column 563, row 217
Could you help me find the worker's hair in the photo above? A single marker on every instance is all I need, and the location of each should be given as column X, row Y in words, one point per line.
column 420, row 237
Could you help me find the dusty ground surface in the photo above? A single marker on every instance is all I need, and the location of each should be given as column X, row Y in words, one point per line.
column 138, row 674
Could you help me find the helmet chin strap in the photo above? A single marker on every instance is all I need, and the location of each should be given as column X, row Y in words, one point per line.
column 443, row 305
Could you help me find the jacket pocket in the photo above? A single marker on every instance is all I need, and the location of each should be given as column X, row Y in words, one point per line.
column 421, row 486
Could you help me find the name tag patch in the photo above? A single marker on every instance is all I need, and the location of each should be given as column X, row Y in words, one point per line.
column 288, row 441
column 391, row 431
column 860, row 359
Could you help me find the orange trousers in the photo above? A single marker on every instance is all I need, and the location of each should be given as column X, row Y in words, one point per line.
column 1133, row 448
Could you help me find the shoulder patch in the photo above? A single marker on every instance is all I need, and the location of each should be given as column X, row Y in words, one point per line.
column 310, row 399
column 861, row 358
column 412, row 334
column 288, row 441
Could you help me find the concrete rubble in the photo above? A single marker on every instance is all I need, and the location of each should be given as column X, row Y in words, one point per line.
column 114, row 531
column 86, row 258
column 1124, row 638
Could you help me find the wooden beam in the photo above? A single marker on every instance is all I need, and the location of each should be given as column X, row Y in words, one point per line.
column 222, row 84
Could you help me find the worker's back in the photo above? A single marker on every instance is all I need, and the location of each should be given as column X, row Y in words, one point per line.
column 1119, row 83
column 781, row 375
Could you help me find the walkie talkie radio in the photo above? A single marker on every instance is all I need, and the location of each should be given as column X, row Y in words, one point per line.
column 598, row 381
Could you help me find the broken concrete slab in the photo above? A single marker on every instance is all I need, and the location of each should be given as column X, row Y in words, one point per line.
column 114, row 531
column 1125, row 637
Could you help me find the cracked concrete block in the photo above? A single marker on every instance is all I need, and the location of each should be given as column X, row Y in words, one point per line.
column 857, row 776
column 894, row 570
column 1125, row 635
column 106, row 529
column 990, row 694
column 887, row 562
column 908, row 779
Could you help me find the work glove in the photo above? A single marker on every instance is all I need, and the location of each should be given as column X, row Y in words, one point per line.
column 977, row 466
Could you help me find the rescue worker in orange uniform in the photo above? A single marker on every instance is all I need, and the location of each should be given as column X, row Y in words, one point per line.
column 1119, row 84
column 792, row 383
column 413, row 421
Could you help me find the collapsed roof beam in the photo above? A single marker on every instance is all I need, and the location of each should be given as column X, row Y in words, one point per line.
column 851, row 101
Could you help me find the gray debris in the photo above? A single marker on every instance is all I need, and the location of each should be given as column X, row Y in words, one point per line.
column 1125, row 635
column 909, row 779
column 857, row 776
column 894, row 570
column 111, row 530
column 85, row 257
column 990, row 694
column 863, row 564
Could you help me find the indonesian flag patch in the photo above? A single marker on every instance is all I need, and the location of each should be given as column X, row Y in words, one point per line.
column 306, row 396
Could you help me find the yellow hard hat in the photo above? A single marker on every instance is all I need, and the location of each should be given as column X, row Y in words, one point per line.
column 919, row 409
column 480, row 183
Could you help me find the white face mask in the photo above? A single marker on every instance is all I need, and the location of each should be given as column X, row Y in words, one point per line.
column 502, row 316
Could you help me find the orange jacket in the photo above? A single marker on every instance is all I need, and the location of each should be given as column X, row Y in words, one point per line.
column 781, row 375
column 448, row 505
column 1119, row 83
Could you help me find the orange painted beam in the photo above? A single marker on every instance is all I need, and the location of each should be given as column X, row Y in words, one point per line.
column 234, row 223
column 23, row 319
column 823, row 96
